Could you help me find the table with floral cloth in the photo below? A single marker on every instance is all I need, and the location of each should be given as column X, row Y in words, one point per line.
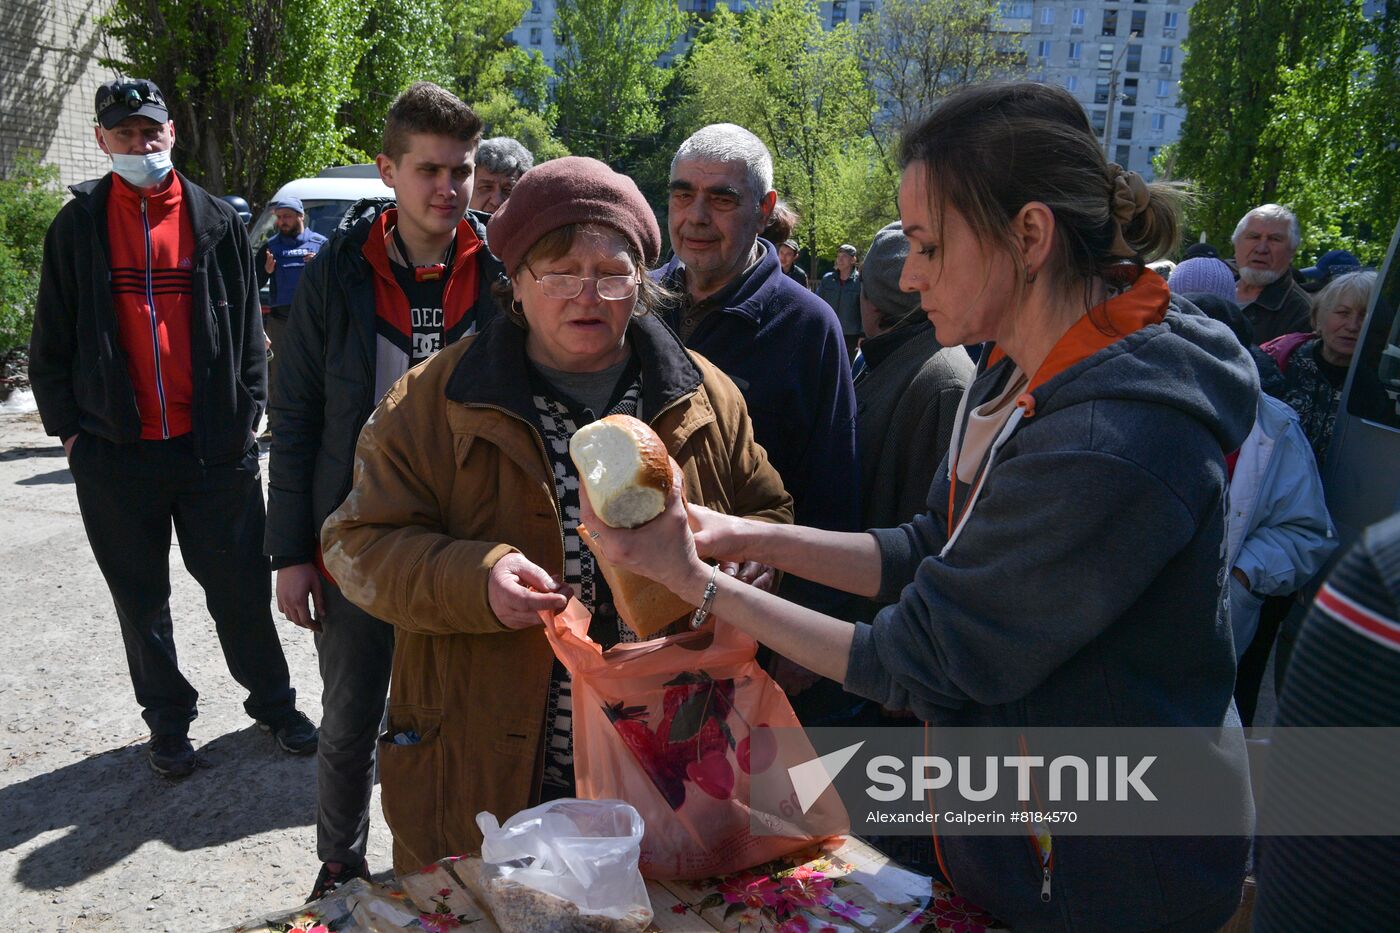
column 851, row 888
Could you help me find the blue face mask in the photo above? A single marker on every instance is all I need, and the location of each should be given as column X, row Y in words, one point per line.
column 145, row 171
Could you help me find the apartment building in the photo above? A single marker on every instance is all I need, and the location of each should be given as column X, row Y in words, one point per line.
column 1120, row 58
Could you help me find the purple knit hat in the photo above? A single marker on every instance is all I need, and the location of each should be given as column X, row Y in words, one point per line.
column 571, row 190
column 1211, row 276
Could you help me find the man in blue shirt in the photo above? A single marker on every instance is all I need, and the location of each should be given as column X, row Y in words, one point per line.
column 280, row 263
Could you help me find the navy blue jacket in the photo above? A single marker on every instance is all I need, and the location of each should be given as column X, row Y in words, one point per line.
column 783, row 348
column 292, row 254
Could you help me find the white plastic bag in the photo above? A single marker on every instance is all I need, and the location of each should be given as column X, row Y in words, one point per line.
column 584, row 852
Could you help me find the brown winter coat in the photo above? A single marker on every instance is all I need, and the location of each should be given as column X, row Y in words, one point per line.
column 450, row 476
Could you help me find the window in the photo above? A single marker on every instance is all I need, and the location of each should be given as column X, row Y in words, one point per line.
column 1134, row 58
column 1166, row 57
column 1110, row 23
column 1016, row 10
column 1047, row 16
column 1076, row 17
column 1125, row 124
column 1097, row 120
column 536, row 35
column 1164, row 87
column 838, row 12
column 1139, row 22
column 1122, row 154
column 1076, row 49
column 1101, row 91
column 1072, row 83
column 1170, row 20
column 535, row 7
column 1130, row 91
column 866, row 8
column 1042, row 48
column 1159, row 122
column 1105, row 56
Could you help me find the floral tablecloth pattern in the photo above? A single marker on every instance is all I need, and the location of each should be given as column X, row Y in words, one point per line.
column 851, row 888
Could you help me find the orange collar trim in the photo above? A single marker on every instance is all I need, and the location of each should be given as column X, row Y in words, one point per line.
column 1142, row 305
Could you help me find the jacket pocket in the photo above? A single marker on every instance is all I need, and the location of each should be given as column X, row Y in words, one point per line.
column 412, row 785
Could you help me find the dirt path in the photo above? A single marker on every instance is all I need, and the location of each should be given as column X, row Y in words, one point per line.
column 90, row 837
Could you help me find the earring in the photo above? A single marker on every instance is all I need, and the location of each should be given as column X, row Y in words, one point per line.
column 1030, row 277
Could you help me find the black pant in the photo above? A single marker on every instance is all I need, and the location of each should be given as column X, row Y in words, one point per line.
column 129, row 495
column 356, row 652
column 1249, row 673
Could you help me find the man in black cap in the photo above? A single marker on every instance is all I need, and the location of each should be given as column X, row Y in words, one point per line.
column 148, row 362
column 280, row 264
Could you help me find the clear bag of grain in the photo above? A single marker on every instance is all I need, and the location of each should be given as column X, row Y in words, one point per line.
column 567, row 865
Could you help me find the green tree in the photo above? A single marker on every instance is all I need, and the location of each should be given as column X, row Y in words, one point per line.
column 29, row 199
column 799, row 88
column 609, row 80
column 403, row 44
column 1293, row 101
column 255, row 86
column 913, row 53
column 1335, row 125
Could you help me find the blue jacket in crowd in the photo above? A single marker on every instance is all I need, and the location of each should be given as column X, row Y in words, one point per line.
column 291, row 254
column 1279, row 532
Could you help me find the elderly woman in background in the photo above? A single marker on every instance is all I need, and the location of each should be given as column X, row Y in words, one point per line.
column 1314, row 365
column 463, row 522
column 1068, row 569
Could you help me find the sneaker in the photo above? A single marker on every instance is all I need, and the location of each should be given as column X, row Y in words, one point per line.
column 294, row 732
column 327, row 880
column 171, row 756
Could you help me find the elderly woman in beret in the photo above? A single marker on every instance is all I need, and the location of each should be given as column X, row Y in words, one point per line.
column 463, row 522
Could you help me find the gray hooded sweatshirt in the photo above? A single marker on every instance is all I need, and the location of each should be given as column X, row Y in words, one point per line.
column 1085, row 590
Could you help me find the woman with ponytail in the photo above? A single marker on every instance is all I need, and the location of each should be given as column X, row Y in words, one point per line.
column 1068, row 570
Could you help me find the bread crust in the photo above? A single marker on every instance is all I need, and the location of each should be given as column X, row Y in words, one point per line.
column 653, row 472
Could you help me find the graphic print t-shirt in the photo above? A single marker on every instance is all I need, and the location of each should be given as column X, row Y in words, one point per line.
column 424, row 311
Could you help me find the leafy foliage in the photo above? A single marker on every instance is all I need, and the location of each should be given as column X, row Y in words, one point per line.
column 799, row 88
column 609, row 80
column 916, row 52
column 403, row 44
column 1294, row 101
column 29, row 199
column 255, row 86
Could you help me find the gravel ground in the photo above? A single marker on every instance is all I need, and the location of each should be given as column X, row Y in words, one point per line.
column 90, row 837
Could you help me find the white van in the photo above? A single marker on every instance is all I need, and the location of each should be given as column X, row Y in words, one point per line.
column 326, row 198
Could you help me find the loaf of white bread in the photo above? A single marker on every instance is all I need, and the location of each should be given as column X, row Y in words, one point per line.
column 626, row 472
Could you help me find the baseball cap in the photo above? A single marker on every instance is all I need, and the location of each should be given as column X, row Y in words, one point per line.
column 288, row 203
column 846, row 248
column 117, row 100
column 1333, row 262
column 792, row 245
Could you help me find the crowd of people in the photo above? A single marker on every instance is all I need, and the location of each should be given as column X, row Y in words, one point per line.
column 1053, row 446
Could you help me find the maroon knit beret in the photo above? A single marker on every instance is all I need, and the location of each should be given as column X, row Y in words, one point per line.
column 571, row 190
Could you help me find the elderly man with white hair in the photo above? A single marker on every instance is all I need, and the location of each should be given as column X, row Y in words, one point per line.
column 1266, row 240
column 781, row 344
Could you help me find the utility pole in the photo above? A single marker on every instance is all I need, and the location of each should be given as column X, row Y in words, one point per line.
column 1113, row 96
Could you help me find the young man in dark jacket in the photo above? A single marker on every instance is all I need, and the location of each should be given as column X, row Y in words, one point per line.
column 399, row 280
column 148, row 361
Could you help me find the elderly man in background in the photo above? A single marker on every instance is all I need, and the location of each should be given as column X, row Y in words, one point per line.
column 780, row 343
column 1266, row 240
column 500, row 161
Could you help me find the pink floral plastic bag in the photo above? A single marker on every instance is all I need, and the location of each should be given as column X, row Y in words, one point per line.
column 679, row 727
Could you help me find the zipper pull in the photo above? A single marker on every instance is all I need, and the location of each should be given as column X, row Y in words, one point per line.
column 143, row 207
column 1045, row 885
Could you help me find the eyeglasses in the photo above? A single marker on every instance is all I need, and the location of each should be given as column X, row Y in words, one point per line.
column 610, row 287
